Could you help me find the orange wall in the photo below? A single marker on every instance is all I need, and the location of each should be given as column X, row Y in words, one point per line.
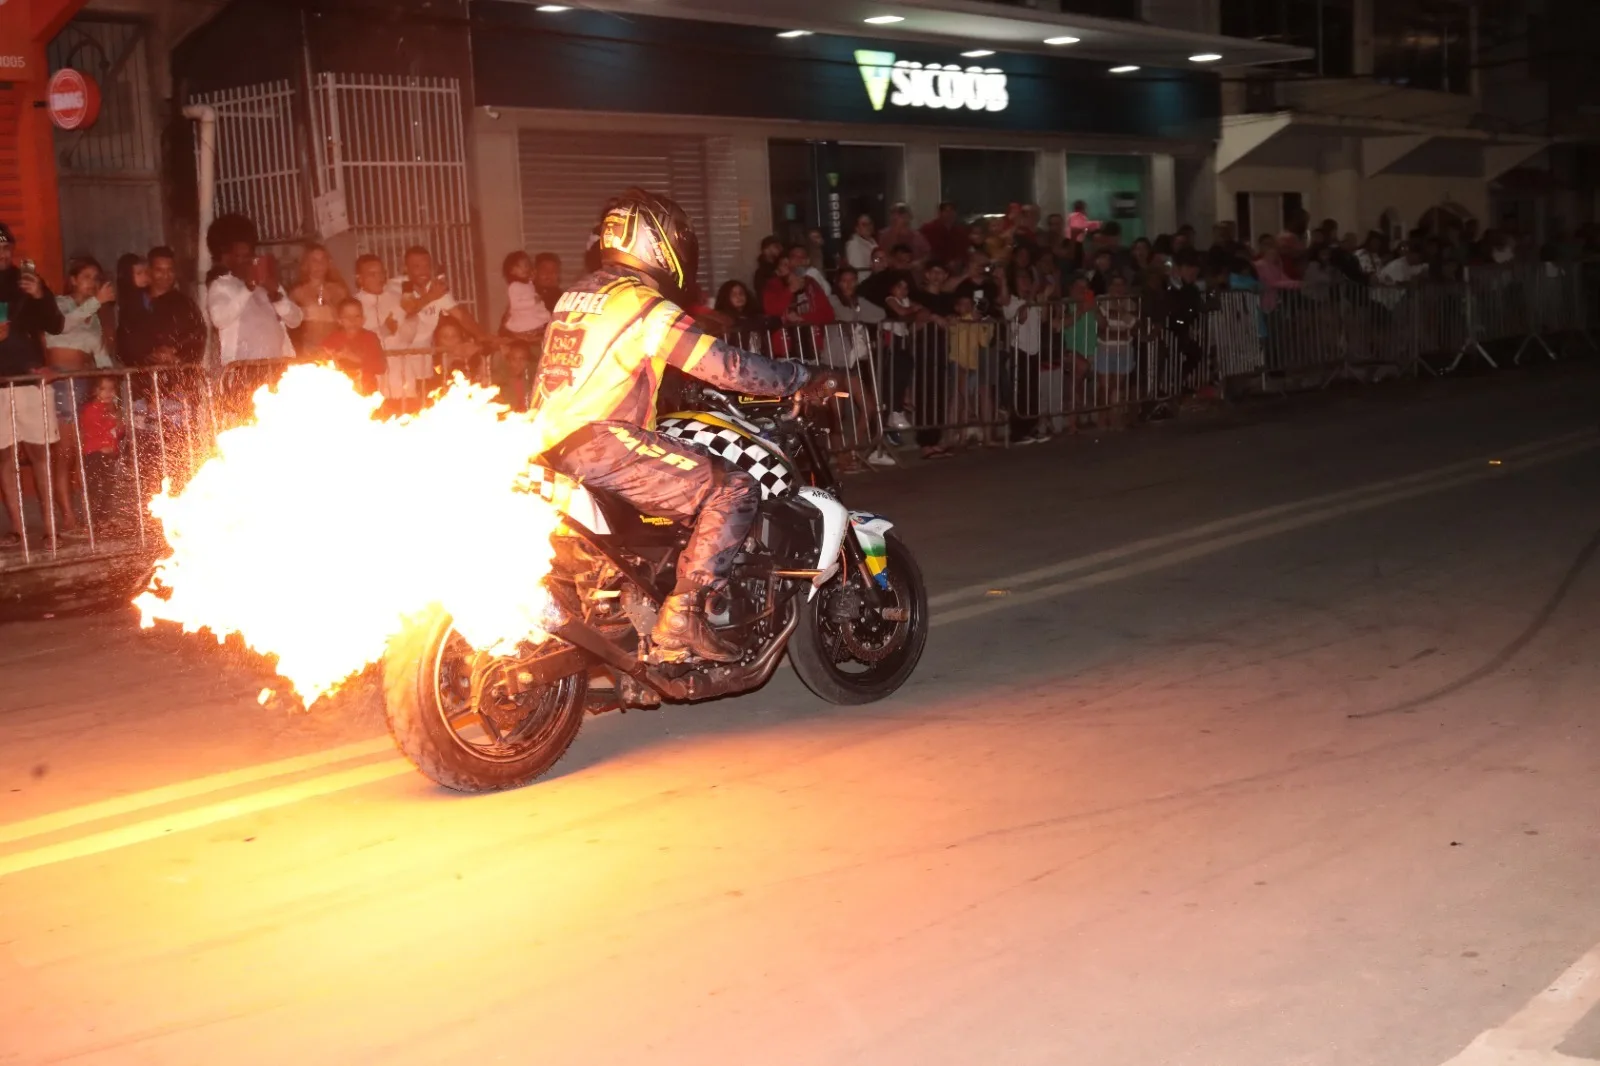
column 28, row 200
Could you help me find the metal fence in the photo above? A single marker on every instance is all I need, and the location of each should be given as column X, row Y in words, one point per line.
column 259, row 172
column 85, row 450
column 395, row 151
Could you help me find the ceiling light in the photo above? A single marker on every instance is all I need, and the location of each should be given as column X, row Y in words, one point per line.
column 1060, row 40
column 795, row 33
column 1205, row 57
column 883, row 20
column 977, row 53
column 1127, row 69
column 551, row 9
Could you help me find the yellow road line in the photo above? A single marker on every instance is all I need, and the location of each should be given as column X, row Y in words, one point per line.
column 195, row 818
column 1222, row 525
column 1220, row 544
column 200, row 786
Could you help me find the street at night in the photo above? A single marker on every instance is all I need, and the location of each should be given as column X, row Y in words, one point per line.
column 1253, row 739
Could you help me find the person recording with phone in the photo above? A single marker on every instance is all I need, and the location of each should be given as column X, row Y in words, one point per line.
column 247, row 304
column 28, row 311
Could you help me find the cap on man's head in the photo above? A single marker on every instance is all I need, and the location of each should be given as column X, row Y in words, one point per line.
column 5, row 234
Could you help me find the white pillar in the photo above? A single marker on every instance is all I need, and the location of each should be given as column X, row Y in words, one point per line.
column 1050, row 181
column 922, row 179
column 1161, row 213
column 1339, row 190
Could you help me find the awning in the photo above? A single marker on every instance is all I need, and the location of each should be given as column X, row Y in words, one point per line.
column 1294, row 138
column 968, row 25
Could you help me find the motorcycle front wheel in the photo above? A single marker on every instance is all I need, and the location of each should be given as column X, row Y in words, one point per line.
column 469, row 721
column 849, row 653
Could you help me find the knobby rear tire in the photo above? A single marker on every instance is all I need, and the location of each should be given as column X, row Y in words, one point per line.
column 419, row 729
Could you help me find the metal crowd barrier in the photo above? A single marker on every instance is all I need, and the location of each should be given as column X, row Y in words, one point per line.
column 1039, row 369
column 71, row 502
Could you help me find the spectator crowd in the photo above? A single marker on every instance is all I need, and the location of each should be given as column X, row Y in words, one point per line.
column 947, row 310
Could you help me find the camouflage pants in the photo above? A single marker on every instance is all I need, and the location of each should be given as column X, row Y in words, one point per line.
column 663, row 477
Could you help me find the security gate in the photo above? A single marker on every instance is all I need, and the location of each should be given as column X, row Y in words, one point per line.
column 390, row 150
column 258, row 170
column 394, row 151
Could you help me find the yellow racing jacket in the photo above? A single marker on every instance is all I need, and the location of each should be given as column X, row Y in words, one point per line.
column 604, row 351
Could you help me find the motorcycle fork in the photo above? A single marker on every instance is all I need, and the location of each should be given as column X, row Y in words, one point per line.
column 857, row 560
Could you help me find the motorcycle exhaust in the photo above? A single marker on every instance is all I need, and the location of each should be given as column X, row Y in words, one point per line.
column 696, row 684
column 592, row 641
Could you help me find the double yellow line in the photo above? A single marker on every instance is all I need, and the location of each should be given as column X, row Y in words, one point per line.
column 1171, row 549
column 957, row 605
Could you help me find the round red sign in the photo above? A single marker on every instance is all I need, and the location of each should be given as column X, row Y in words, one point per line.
column 73, row 99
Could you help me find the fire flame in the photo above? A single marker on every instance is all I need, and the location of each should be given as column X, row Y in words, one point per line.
column 317, row 529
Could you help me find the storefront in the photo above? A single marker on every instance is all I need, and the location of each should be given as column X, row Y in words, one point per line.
column 756, row 133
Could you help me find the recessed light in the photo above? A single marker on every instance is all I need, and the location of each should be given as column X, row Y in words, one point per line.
column 1205, row 57
column 883, row 20
column 795, row 33
column 977, row 53
column 1126, row 69
column 1060, row 40
column 551, row 9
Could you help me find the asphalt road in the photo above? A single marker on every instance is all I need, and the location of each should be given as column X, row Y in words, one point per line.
column 1253, row 741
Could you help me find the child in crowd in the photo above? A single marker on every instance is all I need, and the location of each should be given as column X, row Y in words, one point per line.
column 101, row 430
column 1116, row 356
column 971, row 346
column 900, row 314
column 526, row 313
column 1033, row 385
column 1079, row 224
column 457, row 352
column 1080, row 337
column 354, row 347
column 513, row 375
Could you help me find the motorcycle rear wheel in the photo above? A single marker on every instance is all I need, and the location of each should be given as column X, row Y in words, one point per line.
column 821, row 656
column 460, row 744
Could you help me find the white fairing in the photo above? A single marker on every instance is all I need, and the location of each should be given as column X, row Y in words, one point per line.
column 835, row 520
column 581, row 508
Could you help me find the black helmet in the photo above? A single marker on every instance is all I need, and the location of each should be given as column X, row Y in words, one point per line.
column 653, row 234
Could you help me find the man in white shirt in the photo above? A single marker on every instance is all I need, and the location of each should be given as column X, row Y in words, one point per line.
column 425, row 295
column 1401, row 274
column 380, row 308
column 247, row 305
column 382, row 314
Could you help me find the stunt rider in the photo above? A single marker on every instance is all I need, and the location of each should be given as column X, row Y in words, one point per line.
column 612, row 334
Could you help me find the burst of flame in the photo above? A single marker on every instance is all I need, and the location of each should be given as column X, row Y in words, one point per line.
column 317, row 529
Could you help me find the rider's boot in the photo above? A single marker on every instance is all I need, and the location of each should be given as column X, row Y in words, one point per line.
column 682, row 632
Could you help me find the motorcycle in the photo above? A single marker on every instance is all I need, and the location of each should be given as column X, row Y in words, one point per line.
column 836, row 589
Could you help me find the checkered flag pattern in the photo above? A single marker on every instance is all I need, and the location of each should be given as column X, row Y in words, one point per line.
column 752, row 457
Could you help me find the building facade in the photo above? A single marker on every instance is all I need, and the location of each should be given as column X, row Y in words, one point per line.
column 1394, row 118
column 775, row 129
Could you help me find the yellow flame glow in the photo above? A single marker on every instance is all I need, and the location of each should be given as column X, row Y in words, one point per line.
column 317, row 529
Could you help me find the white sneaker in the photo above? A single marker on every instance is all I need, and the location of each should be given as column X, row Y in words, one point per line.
column 880, row 457
column 898, row 420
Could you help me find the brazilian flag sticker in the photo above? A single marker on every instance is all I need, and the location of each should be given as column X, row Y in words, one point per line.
column 869, row 530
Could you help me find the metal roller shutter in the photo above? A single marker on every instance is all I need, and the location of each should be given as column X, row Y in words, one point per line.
column 567, row 178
